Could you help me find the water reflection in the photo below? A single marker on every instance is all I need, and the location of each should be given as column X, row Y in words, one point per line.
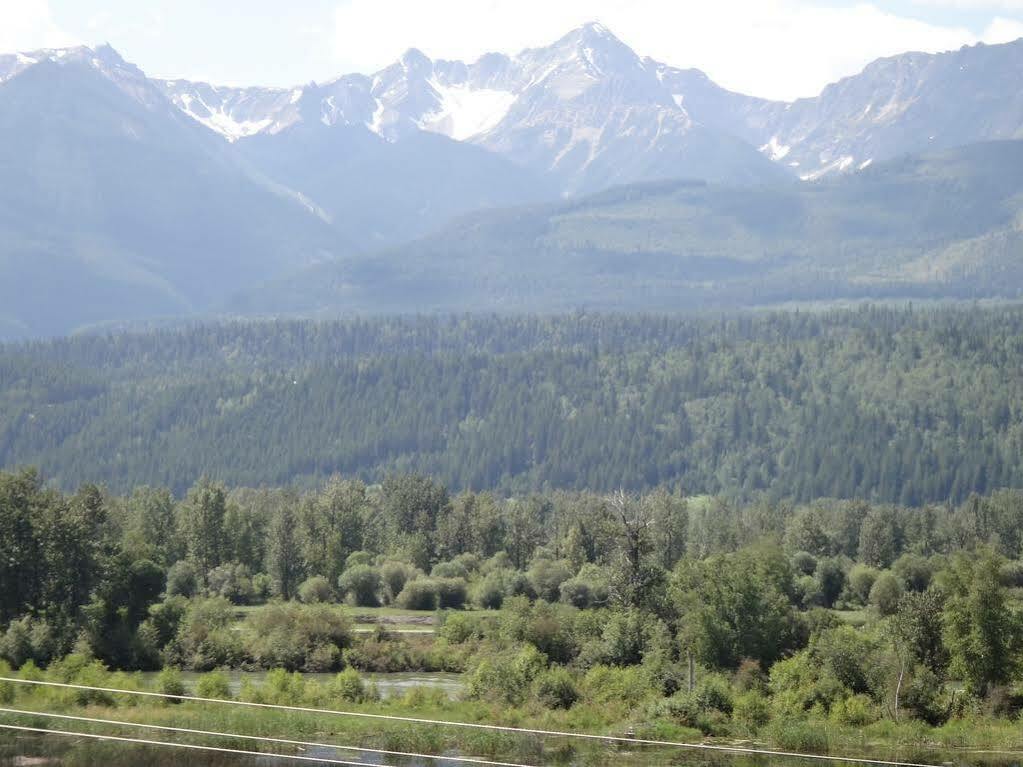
column 389, row 685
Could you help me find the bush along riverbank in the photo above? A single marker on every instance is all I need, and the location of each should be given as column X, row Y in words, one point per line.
column 837, row 627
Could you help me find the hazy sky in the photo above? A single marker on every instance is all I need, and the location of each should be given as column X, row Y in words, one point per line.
column 774, row 48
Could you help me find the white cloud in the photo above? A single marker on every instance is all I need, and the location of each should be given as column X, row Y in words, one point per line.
column 772, row 48
column 29, row 24
column 1003, row 30
column 974, row 5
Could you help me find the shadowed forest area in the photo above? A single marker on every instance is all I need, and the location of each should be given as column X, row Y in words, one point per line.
column 893, row 405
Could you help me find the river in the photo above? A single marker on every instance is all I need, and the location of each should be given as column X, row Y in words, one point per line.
column 389, row 685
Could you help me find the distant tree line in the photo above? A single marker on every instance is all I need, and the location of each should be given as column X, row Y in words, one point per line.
column 146, row 579
column 904, row 406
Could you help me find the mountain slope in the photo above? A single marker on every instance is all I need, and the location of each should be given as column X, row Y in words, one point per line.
column 585, row 112
column 909, row 103
column 594, row 115
column 382, row 193
column 939, row 225
column 588, row 112
column 115, row 206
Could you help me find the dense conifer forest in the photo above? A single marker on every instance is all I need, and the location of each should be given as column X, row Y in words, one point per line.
column 896, row 405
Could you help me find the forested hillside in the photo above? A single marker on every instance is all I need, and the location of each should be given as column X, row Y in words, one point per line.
column 894, row 405
column 941, row 225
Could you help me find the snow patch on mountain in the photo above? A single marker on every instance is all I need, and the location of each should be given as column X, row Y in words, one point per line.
column 775, row 149
column 835, row 166
column 220, row 120
column 466, row 112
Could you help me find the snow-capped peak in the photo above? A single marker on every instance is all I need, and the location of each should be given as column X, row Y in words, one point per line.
column 591, row 33
column 102, row 57
column 415, row 61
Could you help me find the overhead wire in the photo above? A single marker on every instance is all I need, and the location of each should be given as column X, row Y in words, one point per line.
column 259, row 738
column 492, row 727
column 173, row 744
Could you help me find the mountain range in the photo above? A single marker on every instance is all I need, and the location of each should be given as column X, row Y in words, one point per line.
column 940, row 225
column 127, row 197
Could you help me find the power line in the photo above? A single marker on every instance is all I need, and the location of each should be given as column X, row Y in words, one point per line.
column 172, row 744
column 492, row 727
column 262, row 739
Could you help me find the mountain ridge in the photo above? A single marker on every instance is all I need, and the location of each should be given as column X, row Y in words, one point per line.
column 527, row 107
column 945, row 224
column 133, row 198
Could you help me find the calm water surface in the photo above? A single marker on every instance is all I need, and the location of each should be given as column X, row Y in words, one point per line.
column 389, row 685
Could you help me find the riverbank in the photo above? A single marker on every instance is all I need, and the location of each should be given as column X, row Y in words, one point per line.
column 968, row 741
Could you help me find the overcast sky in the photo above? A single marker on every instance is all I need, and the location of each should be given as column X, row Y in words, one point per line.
column 771, row 48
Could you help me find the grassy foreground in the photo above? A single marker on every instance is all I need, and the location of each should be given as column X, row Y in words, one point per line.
column 975, row 740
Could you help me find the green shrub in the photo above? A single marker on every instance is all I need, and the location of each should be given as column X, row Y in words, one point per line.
column 81, row 669
column 860, row 582
column 299, row 637
column 607, row 684
column 577, row 593
column 489, row 593
column 394, row 576
column 505, row 677
column 750, row 677
column 204, row 639
column 348, row 686
column 500, row 561
column 546, row 576
column 282, row 688
column 915, row 571
column 314, row 590
column 28, row 639
column 797, row 735
column 451, row 593
column 361, row 585
column 630, row 635
column 323, row 658
column 382, row 655
column 809, row 591
column 547, row 627
column 830, row 578
column 357, row 558
column 681, row 708
column 262, row 587
column 804, row 563
column 454, row 569
column 169, row 682
column 165, row 619
column 215, row 684
column 1011, row 574
column 856, row 711
column 420, row 594
column 233, row 581
column 752, row 710
column 7, row 692
column 800, row 683
column 556, row 688
column 848, row 655
column 714, row 692
column 470, row 562
column 182, row 579
column 459, row 628
column 923, row 696
column 886, row 593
